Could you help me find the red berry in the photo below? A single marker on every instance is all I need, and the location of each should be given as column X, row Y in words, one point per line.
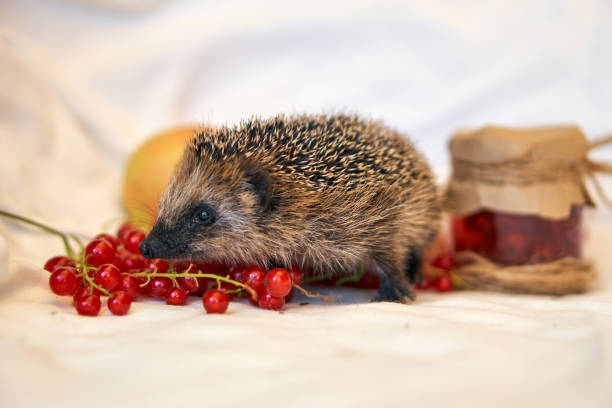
column 269, row 302
column 426, row 284
column 254, row 276
column 88, row 305
column 94, row 291
column 443, row 283
column 57, row 262
column 159, row 286
column 99, row 252
column 446, row 262
column 144, row 289
column 159, row 264
column 125, row 228
column 130, row 285
column 80, row 293
column 176, row 296
column 296, row 274
column 117, row 262
column 213, row 267
column 236, row 273
column 108, row 276
column 253, row 299
column 190, row 284
column 279, row 282
column 133, row 240
column 109, row 238
column 132, row 262
column 289, row 297
column 119, row 303
column 63, row 281
column 369, row 280
column 182, row 266
column 227, row 287
column 215, row 301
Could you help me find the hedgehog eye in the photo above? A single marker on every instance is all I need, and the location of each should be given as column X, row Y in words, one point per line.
column 204, row 215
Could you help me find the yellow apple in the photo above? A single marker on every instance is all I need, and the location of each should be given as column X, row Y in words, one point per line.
column 148, row 172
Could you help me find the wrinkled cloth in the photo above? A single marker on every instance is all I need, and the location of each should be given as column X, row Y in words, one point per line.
column 82, row 83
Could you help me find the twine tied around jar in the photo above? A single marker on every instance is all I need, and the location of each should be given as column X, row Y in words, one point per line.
column 592, row 167
column 559, row 277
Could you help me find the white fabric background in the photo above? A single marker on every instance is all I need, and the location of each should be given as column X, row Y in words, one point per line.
column 82, row 83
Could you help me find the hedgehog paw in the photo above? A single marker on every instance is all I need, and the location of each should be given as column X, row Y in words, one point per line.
column 394, row 294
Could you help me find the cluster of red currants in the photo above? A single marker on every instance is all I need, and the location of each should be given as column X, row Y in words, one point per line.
column 114, row 267
column 513, row 239
column 441, row 281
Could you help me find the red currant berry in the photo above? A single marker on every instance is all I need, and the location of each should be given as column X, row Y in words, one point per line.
column 119, row 303
column 426, row 284
column 108, row 238
column 88, row 305
column 176, row 296
column 213, row 267
column 144, row 289
column 253, row 299
column 182, row 266
column 190, row 284
column 228, row 288
column 108, row 276
column 117, row 262
column 446, row 262
column 130, row 285
column 125, row 228
column 81, row 292
column 215, row 301
column 94, row 291
column 369, row 280
column 279, row 282
column 159, row 286
column 130, row 261
column 296, row 274
column 269, row 302
column 236, row 273
column 159, row 264
column 57, row 262
column 443, row 283
column 133, row 240
column 63, row 281
column 99, row 252
column 254, row 277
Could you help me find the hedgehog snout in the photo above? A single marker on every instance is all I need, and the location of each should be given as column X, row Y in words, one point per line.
column 146, row 249
column 152, row 247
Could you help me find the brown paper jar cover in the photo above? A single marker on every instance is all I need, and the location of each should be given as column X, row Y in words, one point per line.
column 535, row 171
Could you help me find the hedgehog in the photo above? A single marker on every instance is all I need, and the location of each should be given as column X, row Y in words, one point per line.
column 328, row 193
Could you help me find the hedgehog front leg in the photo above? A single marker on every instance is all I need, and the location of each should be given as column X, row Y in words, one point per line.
column 394, row 286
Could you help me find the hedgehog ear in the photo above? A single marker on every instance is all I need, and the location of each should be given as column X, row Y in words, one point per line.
column 258, row 182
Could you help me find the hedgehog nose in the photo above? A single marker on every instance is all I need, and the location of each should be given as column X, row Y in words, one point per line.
column 146, row 249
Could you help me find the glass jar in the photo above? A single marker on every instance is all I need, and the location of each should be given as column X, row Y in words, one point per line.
column 515, row 199
column 511, row 239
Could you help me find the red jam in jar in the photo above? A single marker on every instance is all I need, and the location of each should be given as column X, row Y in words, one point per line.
column 511, row 239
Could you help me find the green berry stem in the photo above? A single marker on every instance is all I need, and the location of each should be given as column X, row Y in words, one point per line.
column 51, row 230
column 85, row 268
column 355, row 277
column 198, row 274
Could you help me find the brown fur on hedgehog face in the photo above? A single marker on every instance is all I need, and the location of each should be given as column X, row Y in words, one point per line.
column 233, row 194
